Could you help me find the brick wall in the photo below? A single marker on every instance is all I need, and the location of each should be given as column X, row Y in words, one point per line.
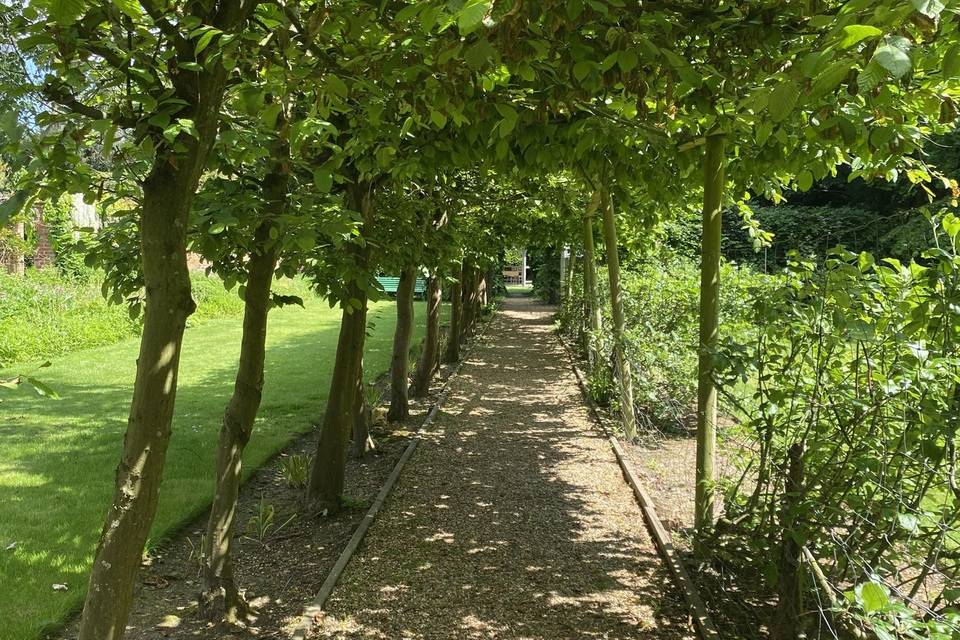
column 43, row 255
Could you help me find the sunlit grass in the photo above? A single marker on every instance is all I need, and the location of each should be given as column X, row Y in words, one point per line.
column 57, row 458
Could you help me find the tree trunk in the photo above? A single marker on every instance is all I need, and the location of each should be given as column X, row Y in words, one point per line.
column 362, row 417
column 713, row 181
column 399, row 365
column 168, row 193
column 571, row 267
column 220, row 597
column 593, row 310
column 167, row 197
column 787, row 621
column 325, row 488
column 467, row 291
column 428, row 362
column 627, row 417
column 452, row 352
column 478, row 296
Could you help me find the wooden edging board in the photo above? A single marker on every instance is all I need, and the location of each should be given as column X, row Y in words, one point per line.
column 312, row 611
column 661, row 537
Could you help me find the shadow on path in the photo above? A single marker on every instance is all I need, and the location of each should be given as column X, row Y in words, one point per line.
column 512, row 520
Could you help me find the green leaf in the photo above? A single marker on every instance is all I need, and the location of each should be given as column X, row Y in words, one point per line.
column 854, row 33
column 627, row 60
column 908, row 522
column 582, row 69
column 506, row 111
column 870, row 76
column 65, row 12
column 478, row 54
column 322, row 180
column 42, row 388
column 929, row 8
column 336, row 86
column 437, row 118
column 270, row 113
column 805, row 180
column 951, row 62
column 783, row 99
column 13, row 205
column 205, row 39
column 472, row 14
column 130, row 7
column 894, row 59
column 873, row 597
column 951, row 224
column 829, row 79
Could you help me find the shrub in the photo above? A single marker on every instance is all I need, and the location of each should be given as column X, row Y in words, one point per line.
column 852, row 431
column 661, row 307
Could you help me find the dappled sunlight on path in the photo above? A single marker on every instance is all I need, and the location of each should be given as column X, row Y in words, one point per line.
column 512, row 519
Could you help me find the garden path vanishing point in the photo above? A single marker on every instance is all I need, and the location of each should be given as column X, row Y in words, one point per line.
column 512, row 519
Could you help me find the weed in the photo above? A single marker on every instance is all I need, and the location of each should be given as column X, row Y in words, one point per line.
column 295, row 470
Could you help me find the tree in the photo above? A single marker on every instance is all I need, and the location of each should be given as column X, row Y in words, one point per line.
column 168, row 108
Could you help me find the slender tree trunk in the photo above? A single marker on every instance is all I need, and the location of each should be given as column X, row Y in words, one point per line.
column 168, row 304
column 325, row 488
column 787, row 623
column 168, row 193
column 713, row 178
column 399, row 365
column 467, row 288
column 428, row 362
column 478, row 296
column 571, row 269
column 590, row 279
column 362, row 417
column 628, row 419
column 452, row 352
column 220, row 597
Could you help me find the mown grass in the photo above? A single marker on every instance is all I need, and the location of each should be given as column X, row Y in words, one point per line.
column 46, row 315
column 57, row 458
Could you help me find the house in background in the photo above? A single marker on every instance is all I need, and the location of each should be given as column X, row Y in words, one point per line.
column 516, row 273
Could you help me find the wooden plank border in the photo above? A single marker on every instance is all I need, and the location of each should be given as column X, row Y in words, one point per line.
column 312, row 611
column 661, row 537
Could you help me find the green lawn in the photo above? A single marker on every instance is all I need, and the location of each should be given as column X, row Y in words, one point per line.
column 519, row 289
column 57, row 458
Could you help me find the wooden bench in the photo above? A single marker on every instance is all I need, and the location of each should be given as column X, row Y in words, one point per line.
column 390, row 284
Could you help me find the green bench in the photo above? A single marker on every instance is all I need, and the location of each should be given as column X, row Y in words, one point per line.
column 391, row 283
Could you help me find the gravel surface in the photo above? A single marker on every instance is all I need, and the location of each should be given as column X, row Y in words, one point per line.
column 512, row 520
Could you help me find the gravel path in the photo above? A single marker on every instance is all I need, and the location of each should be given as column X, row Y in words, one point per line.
column 512, row 520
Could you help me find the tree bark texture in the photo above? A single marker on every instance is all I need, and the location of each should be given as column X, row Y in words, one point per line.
column 467, row 300
column 168, row 193
column 325, row 487
column 362, row 418
column 627, row 416
column 713, row 179
column 593, row 310
column 429, row 357
column 787, row 624
column 399, row 364
column 220, row 598
column 452, row 351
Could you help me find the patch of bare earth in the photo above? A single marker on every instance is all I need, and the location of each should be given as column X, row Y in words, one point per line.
column 280, row 564
column 740, row 605
column 512, row 520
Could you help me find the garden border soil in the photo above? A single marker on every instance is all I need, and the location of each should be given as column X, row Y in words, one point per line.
column 698, row 610
column 314, row 609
